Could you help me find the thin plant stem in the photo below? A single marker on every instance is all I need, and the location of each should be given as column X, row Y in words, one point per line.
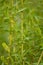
column 40, row 58
column 22, row 21
column 10, row 35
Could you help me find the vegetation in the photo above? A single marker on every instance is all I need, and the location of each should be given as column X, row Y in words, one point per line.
column 21, row 32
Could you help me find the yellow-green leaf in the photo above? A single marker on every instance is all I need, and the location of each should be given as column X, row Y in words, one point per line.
column 6, row 47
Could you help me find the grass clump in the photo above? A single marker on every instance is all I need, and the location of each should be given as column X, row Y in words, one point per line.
column 21, row 32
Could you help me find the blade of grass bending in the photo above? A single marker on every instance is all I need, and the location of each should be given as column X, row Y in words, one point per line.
column 40, row 58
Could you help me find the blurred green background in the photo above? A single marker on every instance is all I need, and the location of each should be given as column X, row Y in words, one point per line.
column 21, row 32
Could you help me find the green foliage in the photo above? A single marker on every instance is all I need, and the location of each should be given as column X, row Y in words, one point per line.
column 21, row 32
